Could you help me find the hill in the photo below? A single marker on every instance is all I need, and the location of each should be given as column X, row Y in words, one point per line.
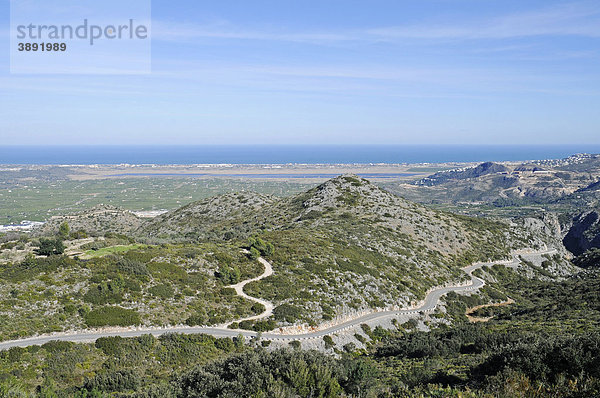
column 581, row 162
column 96, row 221
column 463, row 174
column 505, row 185
column 211, row 218
column 341, row 247
column 345, row 245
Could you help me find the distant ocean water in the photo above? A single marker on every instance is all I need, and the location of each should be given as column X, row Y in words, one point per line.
column 282, row 154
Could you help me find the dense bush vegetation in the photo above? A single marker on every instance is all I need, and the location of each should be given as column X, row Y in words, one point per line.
column 287, row 313
column 166, row 284
column 229, row 275
column 264, row 248
column 112, row 316
column 544, row 345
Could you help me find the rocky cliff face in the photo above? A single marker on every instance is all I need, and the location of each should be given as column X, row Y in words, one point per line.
column 584, row 233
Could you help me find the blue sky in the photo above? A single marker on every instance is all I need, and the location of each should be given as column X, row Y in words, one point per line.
column 329, row 71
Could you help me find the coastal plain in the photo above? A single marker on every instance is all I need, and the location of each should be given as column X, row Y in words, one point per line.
column 37, row 192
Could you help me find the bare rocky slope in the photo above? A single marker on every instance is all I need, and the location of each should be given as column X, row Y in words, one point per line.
column 584, row 232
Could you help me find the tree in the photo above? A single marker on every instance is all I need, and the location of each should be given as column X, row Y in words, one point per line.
column 59, row 247
column 46, row 247
column 264, row 248
column 63, row 230
column 239, row 342
column 295, row 344
column 49, row 247
column 254, row 253
column 328, row 342
column 229, row 275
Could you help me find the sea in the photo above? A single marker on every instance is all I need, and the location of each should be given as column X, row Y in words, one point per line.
column 282, row 154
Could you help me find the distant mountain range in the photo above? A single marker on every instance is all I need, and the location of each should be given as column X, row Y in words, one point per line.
column 507, row 184
column 569, row 189
column 463, row 174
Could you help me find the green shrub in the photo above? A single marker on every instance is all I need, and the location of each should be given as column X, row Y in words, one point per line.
column 163, row 290
column 112, row 316
column 264, row 248
column 226, row 291
column 264, row 326
column 31, row 267
column 58, row 346
column 122, row 380
column 63, row 230
column 228, row 275
column 287, row 313
column 311, row 215
column 133, row 267
column 197, row 319
column 225, row 344
column 257, row 308
column 295, row 344
column 254, row 253
column 350, row 347
column 360, row 338
column 105, row 293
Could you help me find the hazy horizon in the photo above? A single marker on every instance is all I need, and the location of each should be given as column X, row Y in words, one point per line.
column 282, row 154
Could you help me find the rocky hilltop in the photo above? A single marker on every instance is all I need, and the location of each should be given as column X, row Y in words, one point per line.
column 96, row 221
column 209, row 218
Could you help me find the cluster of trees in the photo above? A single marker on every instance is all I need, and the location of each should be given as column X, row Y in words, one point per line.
column 257, row 326
column 543, row 367
column 229, row 275
column 106, row 292
column 54, row 246
column 259, row 247
column 32, row 267
column 49, row 246
column 287, row 313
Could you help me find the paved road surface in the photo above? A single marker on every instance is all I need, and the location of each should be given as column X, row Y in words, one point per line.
column 429, row 305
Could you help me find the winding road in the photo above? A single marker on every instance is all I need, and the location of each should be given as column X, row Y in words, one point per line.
column 239, row 289
column 428, row 305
